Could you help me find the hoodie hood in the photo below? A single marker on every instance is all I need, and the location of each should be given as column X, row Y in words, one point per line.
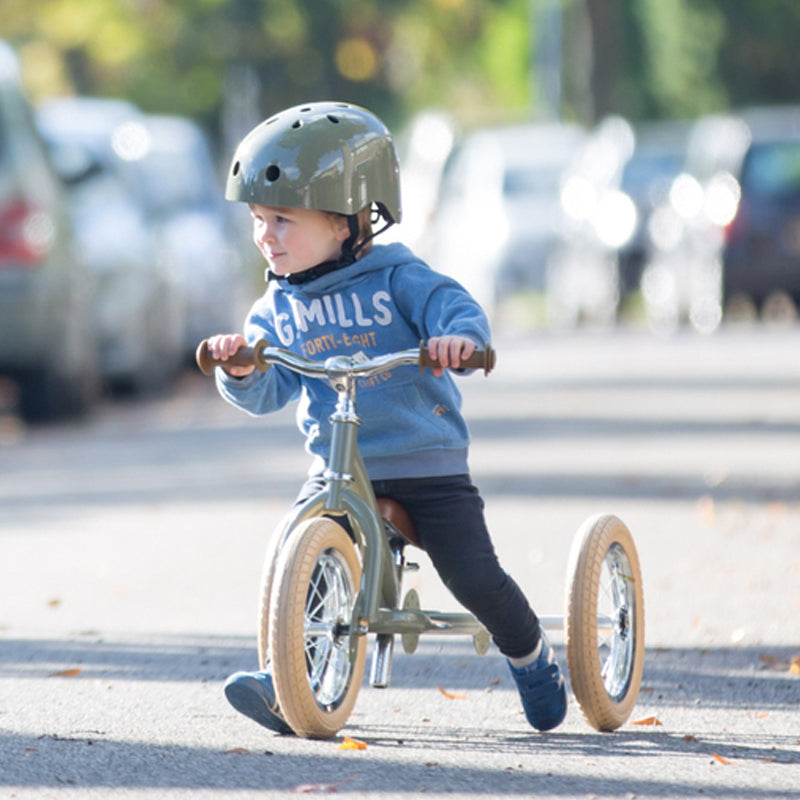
column 378, row 258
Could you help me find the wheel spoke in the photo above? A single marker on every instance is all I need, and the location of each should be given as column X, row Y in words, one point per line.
column 328, row 607
column 614, row 598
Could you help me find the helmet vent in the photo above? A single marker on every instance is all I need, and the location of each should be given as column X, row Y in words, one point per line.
column 297, row 124
column 272, row 173
column 236, row 168
column 332, row 118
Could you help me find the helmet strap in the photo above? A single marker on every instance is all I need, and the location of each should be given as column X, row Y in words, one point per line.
column 352, row 221
column 348, row 248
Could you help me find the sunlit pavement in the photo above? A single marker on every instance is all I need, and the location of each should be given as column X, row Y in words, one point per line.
column 130, row 558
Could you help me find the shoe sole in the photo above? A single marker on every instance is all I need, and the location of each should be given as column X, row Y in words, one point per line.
column 252, row 705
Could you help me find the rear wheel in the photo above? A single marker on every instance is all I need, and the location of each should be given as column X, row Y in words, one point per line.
column 605, row 622
column 317, row 656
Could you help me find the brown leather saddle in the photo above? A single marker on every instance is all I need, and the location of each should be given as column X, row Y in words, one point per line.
column 398, row 518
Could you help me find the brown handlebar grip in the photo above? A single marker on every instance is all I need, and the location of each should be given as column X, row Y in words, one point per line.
column 243, row 357
column 480, row 359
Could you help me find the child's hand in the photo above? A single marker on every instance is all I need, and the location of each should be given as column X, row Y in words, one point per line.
column 449, row 350
column 223, row 346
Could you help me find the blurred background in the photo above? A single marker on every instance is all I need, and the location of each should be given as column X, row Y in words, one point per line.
column 572, row 162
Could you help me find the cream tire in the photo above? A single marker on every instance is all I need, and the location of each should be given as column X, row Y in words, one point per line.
column 317, row 658
column 604, row 622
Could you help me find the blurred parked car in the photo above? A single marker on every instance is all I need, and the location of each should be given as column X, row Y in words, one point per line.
column 498, row 213
column 98, row 145
column 657, row 158
column 46, row 293
column 598, row 218
column 682, row 276
column 197, row 240
column 729, row 237
column 423, row 148
column 608, row 194
column 761, row 242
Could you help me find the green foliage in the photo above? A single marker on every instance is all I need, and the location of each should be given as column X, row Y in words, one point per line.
column 213, row 59
column 758, row 56
column 681, row 39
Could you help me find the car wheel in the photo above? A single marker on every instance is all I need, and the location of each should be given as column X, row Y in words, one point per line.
column 66, row 384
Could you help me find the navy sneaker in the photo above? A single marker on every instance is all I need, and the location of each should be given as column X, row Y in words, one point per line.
column 252, row 694
column 541, row 689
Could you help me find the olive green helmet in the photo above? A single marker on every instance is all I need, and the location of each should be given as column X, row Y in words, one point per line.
column 325, row 156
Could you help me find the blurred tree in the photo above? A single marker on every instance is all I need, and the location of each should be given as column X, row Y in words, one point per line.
column 233, row 61
column 678, row 58
column 183, row 55
column 757, row 58
column 647, row 58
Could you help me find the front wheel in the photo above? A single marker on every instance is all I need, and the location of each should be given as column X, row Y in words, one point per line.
column 605, row 622
column 317, row 656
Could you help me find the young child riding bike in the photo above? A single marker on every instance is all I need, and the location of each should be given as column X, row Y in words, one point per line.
column 316, row 178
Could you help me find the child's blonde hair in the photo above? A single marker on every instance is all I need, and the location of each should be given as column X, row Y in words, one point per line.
column 363, row 240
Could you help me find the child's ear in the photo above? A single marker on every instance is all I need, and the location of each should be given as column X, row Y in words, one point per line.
column 341, row 227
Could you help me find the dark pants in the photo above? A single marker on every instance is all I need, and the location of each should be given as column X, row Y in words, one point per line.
column 447, row 513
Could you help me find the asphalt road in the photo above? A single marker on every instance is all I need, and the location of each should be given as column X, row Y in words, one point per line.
column 130, row 553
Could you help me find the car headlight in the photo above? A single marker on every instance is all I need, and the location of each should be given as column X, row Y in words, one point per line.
column 615, row 219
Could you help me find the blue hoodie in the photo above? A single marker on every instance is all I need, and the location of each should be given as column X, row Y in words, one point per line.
column 386, row 301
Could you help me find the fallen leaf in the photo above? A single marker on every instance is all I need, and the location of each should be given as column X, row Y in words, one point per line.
column 707, row 510
column 777, row 510
column 238, row 751
column 451, row 695
column 793, row 665
column 352, row 744
column 719, row 758
column 761, row 714
column 54, row 603
column 690, row 737
column 66, row 673
column 647, row 721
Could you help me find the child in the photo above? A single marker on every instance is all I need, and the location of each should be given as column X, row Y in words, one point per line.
column 312, row 175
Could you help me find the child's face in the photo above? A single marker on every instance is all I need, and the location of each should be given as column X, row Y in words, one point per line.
column 296, row 239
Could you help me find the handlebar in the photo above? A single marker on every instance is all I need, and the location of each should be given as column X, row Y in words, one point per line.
column 261, row 355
